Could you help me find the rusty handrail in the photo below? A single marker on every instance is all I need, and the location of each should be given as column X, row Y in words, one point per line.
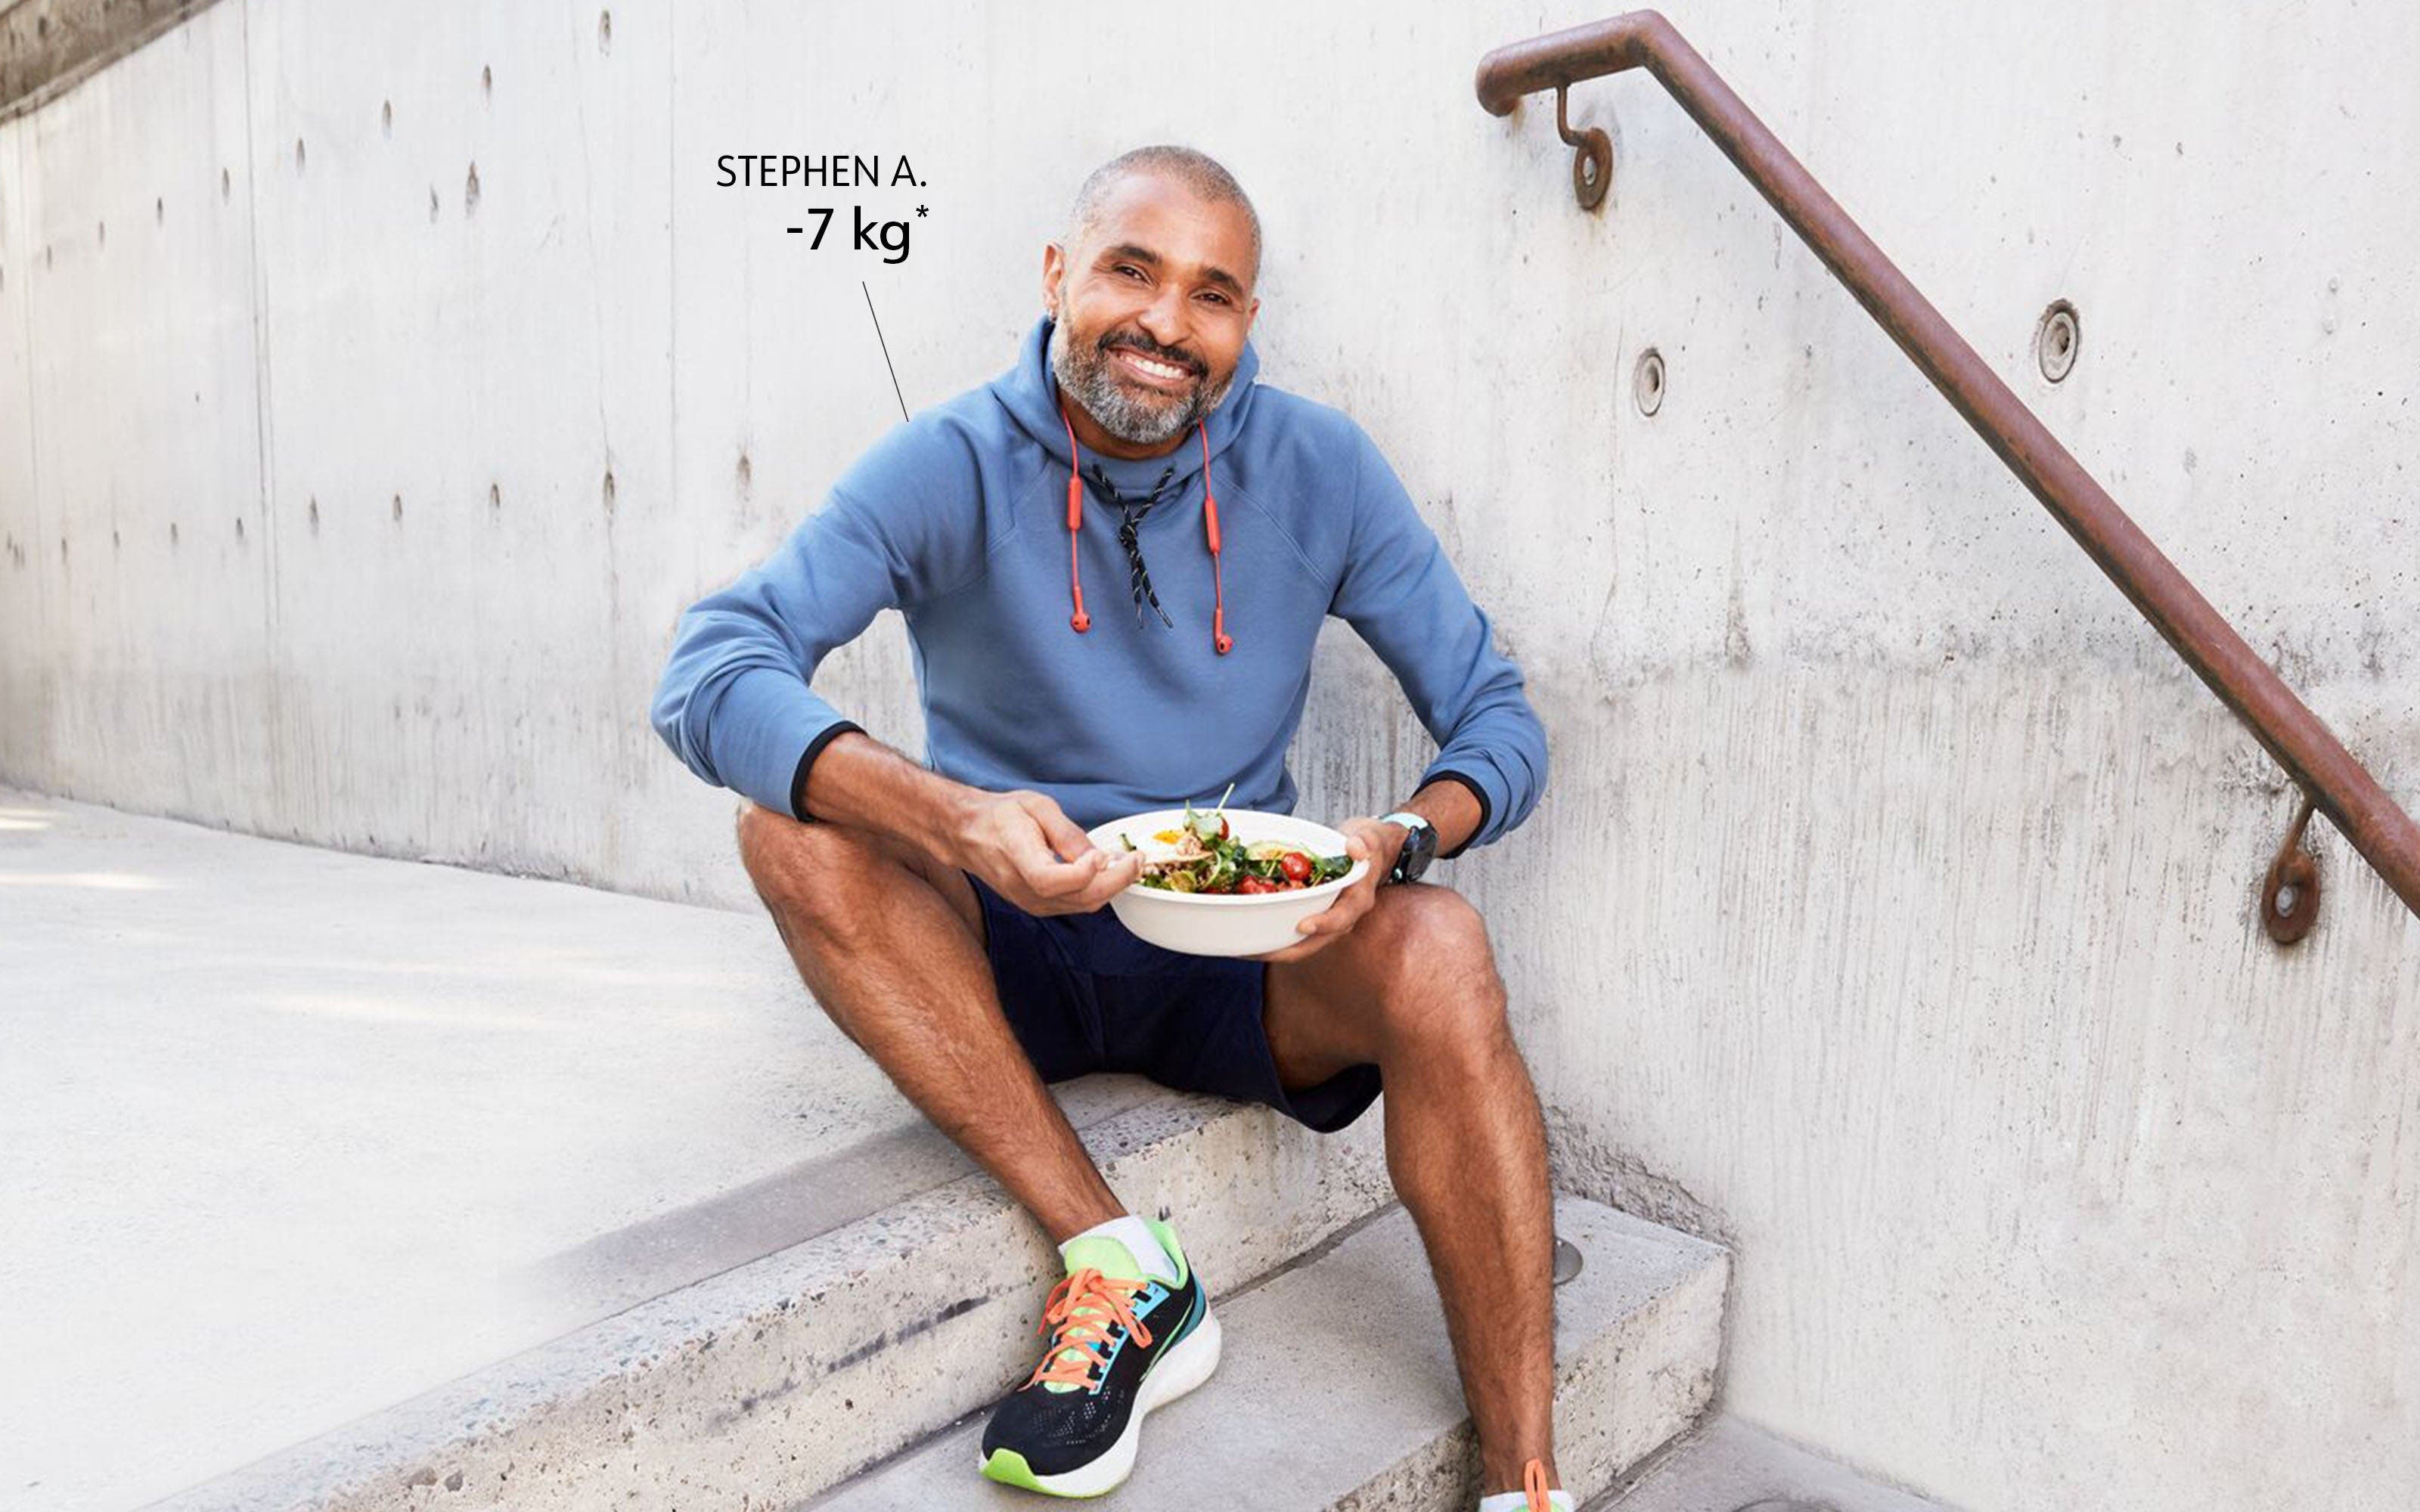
column 2339, row 786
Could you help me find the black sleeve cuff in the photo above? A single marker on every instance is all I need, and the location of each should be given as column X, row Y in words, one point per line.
column 815, row 748
column 1476, row 791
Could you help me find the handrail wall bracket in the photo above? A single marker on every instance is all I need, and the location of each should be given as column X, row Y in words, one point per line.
column 2331, row 780
column 1592, row 156
column 2289, row 895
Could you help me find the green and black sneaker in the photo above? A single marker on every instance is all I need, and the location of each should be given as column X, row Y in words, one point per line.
column 1121, row 1344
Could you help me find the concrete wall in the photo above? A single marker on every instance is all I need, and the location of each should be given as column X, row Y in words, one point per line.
column 1890, row 913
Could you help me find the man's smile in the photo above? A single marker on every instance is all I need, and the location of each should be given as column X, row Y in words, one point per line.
column 1151, row 370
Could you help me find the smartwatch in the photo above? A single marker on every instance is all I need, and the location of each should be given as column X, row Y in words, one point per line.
column 1419, row 846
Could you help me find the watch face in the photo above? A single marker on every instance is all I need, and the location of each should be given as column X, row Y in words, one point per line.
column 1420, row 848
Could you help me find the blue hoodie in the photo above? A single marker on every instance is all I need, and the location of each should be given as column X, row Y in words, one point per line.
column 958, row 519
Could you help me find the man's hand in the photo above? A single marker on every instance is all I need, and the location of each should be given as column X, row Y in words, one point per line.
column 1364, row 839
column 1026, row 848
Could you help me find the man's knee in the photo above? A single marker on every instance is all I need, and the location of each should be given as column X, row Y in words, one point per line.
column 807, row 873
column 1441, row 987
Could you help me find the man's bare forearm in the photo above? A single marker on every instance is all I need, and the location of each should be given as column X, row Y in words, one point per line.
column 858, row 782
column 1450, row 809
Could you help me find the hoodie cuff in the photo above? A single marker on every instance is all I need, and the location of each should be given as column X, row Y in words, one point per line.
column 814, row 748
column 1487, row 807
column 760, row 724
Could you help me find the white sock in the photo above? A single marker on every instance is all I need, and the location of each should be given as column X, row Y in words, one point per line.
column 1519, row 1502
column 1139, row 1242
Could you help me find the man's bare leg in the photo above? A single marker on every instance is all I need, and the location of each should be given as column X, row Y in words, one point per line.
column 1413, row 988
column 892, row 946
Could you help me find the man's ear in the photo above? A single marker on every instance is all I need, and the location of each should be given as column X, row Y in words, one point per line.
column 1054, row 272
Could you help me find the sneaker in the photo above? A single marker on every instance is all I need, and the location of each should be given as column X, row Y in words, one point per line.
column 1120, row 1345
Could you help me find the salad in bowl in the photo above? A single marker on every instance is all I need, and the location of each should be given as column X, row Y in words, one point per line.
column 1226, row 881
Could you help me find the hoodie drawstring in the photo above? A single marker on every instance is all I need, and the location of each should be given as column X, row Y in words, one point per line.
column 1081, row 622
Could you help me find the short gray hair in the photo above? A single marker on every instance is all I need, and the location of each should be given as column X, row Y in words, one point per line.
column 1197, row 171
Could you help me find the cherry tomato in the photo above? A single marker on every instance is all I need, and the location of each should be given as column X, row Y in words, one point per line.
column 1295, row 865
column 1253, row 884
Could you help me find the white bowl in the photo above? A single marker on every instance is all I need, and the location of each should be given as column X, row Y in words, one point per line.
column 1220, row 923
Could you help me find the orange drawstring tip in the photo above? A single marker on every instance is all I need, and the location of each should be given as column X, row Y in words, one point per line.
column 1079, row 621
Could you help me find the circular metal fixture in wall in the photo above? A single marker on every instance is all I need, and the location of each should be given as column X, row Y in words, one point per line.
column 1647, row 381
column 2056, row 339
column 1567, row 1259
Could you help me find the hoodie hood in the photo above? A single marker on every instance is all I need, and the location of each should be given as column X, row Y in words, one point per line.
column 1030, row 395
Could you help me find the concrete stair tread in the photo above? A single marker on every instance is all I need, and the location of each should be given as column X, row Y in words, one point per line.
column 1337, row 1386
column 546, row 1188
column 778, row 1379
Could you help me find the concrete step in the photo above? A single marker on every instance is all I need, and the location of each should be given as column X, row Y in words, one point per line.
column 1337, row 1388
column 782, row 1377
column 385, row 1174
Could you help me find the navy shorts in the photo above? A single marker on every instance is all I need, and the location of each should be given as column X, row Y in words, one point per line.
column 1084, row 995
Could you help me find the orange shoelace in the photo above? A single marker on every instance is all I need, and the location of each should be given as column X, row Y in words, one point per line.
column 1079, row 1316
column 1533, row 1486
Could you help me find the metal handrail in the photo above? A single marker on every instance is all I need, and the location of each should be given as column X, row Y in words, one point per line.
column 2330, row 777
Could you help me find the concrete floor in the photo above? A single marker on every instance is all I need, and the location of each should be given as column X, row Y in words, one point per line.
column 291, row 1135
column 1731, row 1466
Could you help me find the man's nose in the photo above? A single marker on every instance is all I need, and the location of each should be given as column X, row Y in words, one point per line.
column 1166, row 318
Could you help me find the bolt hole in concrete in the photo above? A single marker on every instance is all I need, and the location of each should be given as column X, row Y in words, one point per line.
column 604, row 31
column 1567, row 1259
column 2056, row 340
column 1647, row 381
column 226, row 183
column 398, row 509
column 2287, row 896
column 298, row 154
column 487, row 80
column 386, row 120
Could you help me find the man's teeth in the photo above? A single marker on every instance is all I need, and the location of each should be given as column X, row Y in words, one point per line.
column 1168, row 370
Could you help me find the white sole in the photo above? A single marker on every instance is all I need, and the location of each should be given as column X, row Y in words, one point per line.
column 1187, row 1365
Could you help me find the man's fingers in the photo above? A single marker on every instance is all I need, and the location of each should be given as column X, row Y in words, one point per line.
column 1058, row 830
column 1336, row 918
column 1059, row 881
column 1115, row 873
column 1083, row 885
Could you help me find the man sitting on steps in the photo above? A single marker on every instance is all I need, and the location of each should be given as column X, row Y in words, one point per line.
column 949, row 915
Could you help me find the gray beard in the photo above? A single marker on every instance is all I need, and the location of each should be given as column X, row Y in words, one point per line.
column 1130, row 417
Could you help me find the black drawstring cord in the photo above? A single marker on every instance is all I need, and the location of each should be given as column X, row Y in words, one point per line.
column 1131, row 517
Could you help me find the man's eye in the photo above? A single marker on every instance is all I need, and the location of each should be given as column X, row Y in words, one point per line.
column 1130, row 267
column 1215, row 295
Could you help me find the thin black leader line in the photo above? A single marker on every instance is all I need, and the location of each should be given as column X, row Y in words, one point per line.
column 886, row 349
